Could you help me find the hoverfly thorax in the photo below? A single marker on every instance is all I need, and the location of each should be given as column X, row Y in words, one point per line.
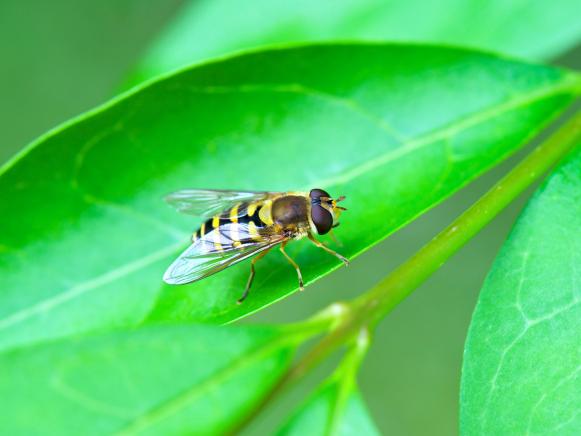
column 324, row 211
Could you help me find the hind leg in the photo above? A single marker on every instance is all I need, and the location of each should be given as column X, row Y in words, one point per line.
column 252, row 274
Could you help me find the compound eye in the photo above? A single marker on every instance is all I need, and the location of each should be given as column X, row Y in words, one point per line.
column 322, row 219
column 315, row 194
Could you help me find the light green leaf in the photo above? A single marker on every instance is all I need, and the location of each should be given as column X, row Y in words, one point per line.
column 210, row 28
column 336, row 407
column 321, row 410
column 522, row 372
column 176, row 379
column 86, row 237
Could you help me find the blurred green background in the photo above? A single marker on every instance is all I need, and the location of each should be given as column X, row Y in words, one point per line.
column 63, row 57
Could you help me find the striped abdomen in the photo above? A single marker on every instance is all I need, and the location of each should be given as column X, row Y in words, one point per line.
column 233, row 228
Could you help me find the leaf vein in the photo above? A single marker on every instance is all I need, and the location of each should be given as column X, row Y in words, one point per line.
column 86, row 286
column 407, row 145
column 180, row 401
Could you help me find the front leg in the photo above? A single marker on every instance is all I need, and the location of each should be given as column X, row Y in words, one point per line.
column 327, row 249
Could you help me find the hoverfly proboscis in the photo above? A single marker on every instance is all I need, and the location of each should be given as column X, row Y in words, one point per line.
column 242, row 224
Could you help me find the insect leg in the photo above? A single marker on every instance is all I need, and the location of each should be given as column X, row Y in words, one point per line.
column 252, row 273
column 334, row 238
column 327, row 249
column 293, row 263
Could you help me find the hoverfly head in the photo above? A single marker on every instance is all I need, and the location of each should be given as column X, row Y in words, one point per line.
column 324, row 210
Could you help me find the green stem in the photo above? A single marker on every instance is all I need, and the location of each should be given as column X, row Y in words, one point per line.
column 384, row 296
column 367, row 310
column 371, row 307
column 345, row 378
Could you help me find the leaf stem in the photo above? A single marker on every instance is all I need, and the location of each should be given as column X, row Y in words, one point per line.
column 368, row 309
column 371, row 307
column 345, row 377
column 390, row 291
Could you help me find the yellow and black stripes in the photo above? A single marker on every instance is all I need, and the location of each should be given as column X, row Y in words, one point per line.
column 241, row 225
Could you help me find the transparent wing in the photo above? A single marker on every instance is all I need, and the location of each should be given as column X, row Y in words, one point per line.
column 207, row 203
column 202, row 259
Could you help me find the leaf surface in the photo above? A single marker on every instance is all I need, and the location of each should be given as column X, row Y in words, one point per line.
column 522, row 372
column 86, row 237
column 175, row 379
column 209, row 28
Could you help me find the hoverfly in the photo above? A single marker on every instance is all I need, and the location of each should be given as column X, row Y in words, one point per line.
column 242, row 224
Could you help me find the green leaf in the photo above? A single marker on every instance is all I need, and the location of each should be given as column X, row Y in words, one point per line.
column 321, row 410
column 206, row 29
column 521, row 370
column 86, row 237
column 176, row 379
column 336, row 407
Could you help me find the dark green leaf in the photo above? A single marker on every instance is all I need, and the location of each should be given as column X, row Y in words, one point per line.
column 521, row 367
column 86, row 236
column 210, row 28
column 155, row 380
